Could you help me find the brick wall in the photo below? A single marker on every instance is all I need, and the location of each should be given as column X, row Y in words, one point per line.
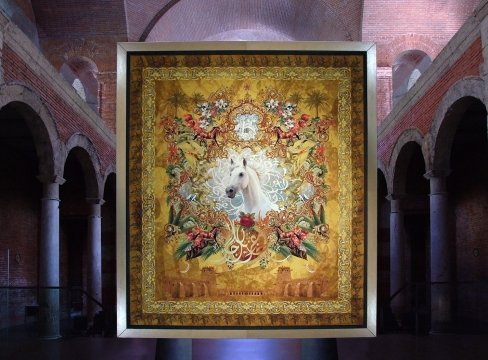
column 89, row 28
column 19, row 206
column 83, row 18
column 20, row 195
column 67, row 120
column 422, row 113
column 424, row 23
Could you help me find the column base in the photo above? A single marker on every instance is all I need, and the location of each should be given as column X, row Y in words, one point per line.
column 48, row 322
column 441, row 328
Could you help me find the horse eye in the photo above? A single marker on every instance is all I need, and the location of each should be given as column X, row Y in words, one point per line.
column 241, row 174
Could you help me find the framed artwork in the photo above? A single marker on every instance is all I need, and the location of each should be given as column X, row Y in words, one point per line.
column 246, row 189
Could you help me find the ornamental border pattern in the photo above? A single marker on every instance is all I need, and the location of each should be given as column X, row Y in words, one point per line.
column 150, row 304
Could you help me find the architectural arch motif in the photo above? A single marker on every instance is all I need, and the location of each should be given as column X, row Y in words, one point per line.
column 41, row 125
column 384, row 170
column 90, row 163
column 401, row 153
column 110, row 170
column 410, row 42
column 81, row 73
column 407, row 68
column 252, row 18
column 446, row 119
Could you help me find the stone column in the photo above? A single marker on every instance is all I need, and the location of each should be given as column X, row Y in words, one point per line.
column 2, row 31
column 440, row 255
column 397, row 256
column 384, row 92
column 484, row 45
column 94, row 241
column 49, row 259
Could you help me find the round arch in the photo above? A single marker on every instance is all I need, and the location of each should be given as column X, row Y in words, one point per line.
column 402, row 152
column 407, row 68
column 312, row 20
column 110, row 170
column 455, row 102
column 86, row 154
column 81, row 73
column 384, row 171
column 41, row 124
column 406, row 43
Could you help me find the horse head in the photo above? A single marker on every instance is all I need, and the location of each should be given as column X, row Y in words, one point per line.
column 238, row 178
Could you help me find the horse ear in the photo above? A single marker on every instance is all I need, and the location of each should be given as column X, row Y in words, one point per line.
column 244, row 162
column 232, row 162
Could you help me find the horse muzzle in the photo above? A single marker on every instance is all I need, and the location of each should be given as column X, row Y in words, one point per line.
column 230, row 191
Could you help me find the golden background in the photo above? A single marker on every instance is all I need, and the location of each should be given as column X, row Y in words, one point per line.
column 151, row 258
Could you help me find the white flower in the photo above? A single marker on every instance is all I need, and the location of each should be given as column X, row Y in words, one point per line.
column 203, row 123
column 204, row 109
column 272, row 104
column 289, row 123
column 221, row 104
column 290, row 107
column 288, row 110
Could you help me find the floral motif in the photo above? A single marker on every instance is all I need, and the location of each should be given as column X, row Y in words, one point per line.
column 208, row 111
column 246, row 220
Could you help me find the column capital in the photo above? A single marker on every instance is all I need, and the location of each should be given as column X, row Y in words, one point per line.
column 438, row 184
column 51, row 179
column 395, row 202
column 50, row 185
column 396, row 196
column 437, row 174
column 95, row 201
column 95, row 207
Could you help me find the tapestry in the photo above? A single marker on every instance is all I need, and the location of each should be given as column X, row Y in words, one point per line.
column 246, row 190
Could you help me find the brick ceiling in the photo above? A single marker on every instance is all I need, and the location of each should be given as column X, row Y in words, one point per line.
column 187, row 20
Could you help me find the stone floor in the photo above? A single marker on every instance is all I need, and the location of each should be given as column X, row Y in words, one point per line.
column 398, row 347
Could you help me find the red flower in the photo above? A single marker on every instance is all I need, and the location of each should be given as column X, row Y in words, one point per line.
column 320, row 150
column 187, row 117
column 319, row 153
column 172, row 153
column 303, row 120
column 246, row 220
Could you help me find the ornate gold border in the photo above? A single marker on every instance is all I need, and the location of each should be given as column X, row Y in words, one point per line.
column 150, row 305
column 357, row 230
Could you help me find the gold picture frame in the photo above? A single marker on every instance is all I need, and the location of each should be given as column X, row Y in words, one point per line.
column 246, row 190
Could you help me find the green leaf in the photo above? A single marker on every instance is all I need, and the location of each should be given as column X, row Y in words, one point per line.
column 306, row 219
column 180, row 250
column 316, row 217
column 209, row 251
column 322, row 214
column 171, row 214
column 178, row 216
column 311, row 250
column 283, row 250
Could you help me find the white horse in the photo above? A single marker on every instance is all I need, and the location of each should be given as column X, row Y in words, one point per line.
column 244, row 178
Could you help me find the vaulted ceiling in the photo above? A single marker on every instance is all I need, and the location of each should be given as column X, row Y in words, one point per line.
column 187, row 20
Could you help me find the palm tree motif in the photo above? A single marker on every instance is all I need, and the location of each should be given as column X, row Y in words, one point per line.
column 295, row 98
column 197, row 98
column 316, row 99
column 177, row 99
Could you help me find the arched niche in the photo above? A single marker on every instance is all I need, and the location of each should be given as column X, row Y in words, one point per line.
column 408, row 66
column 81, row 73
